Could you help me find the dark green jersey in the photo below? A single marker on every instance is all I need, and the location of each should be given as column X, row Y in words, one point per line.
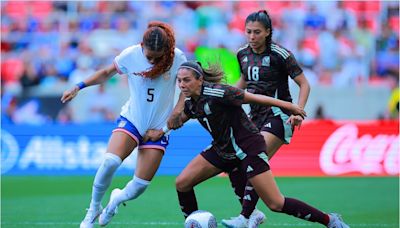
column 267, row 74
column 219, row 111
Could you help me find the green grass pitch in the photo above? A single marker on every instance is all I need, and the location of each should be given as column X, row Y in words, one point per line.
column 40, row 201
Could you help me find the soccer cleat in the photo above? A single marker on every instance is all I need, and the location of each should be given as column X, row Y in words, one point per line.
column 256, row 218
column 110, row 210
column 236, row 222
column 90, row 217
column 336, row 221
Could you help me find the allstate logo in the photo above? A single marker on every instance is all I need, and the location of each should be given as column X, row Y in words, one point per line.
column 9, row 151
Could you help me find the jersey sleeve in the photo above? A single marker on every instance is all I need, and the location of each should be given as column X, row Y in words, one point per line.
column 292, row 67
column 240, row 63
column 186, row 109
column 232, row 96
column 122, row 60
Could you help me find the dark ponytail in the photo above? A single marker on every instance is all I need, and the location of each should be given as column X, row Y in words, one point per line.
column 263, row 17
column 213, row 73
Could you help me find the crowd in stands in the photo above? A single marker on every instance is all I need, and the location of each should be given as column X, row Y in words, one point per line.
column 48, row 45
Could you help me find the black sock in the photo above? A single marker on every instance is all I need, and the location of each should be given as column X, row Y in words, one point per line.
column 304, row 211
column 250, row 200
column 188, row 202
column 238, row 182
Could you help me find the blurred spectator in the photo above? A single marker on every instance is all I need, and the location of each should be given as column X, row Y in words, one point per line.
column 184, row 16
column 319, row 113
column 340, row 18
column 329, row 51
column 51, row 78
column 339, row 43
column 386, row 39
column 388, row 62
column 387, row 58
column 314, row 19
column 65, row 115
column 104, row 40
column 29, row 75
column 83, row 70
column 351, row 68
column 364, row 39
column 124, row 35
column 8, row 107
column 292, row 26
column 101, row 108
column 64, row 63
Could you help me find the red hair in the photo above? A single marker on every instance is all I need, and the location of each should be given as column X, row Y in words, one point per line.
column 159, row 36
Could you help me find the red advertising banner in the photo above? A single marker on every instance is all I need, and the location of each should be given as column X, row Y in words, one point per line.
column 346, row 148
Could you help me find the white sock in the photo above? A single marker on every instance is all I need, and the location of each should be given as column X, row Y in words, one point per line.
column 103, row 178
column 132, row 190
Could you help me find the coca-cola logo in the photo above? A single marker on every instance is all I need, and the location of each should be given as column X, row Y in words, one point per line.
column 344, row 152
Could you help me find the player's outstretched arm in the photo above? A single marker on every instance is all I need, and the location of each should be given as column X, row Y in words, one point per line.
column 241, row 83
column 304, row 90
column 156, row 134
column 98, row 77
column 270, row 101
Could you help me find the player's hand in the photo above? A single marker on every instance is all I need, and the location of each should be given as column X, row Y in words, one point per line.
column 153, row 135
column 174, row 121
column 297, row 110
column 69, row 94
column 295, row 120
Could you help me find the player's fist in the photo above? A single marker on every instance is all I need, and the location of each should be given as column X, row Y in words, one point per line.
column 297, row 110
column 153, row 135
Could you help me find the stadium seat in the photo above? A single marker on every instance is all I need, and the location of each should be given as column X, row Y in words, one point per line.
column 394, row 23
column 276, row 8
column 40, row 9
column 11, row 70
column 16, row 9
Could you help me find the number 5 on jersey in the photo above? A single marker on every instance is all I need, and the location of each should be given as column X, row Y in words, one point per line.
column 150, row 94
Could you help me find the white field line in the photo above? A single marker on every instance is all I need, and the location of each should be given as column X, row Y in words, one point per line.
column 155, row 224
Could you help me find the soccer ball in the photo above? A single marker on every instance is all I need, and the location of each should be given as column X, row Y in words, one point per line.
column 200, row 219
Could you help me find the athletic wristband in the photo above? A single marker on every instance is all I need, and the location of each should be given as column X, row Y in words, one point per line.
column 166, row 130
column 81, row 85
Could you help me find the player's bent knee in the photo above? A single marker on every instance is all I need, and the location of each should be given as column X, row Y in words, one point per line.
column 111, row 161
column 106, row 170
column 183, row 184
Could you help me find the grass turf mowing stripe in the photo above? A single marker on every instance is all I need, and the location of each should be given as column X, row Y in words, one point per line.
column 177, row 224
column 43, row 201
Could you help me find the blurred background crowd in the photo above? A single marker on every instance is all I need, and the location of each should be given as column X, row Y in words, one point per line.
column 349, row 51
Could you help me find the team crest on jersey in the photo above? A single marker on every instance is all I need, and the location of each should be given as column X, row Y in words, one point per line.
column 122, row 124
column 245, row 60
column 265, row 61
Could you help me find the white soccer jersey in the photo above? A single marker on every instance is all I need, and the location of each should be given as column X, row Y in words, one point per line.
column 151, row 100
